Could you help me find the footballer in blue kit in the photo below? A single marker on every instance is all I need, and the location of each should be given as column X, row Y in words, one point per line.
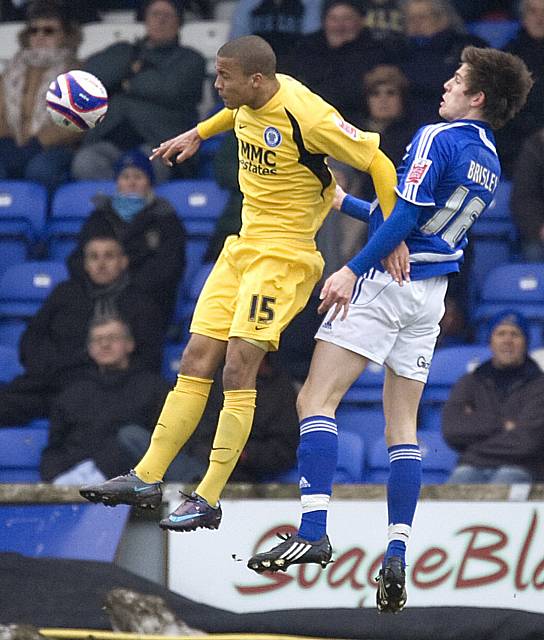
column 385, row 305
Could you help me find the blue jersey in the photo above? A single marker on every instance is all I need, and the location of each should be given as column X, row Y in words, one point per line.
column 451, row 171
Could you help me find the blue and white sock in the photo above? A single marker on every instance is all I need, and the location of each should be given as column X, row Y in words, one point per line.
column 317, row 455
column 402, row 495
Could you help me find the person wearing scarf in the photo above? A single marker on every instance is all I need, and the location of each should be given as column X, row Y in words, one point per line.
column 32, row 147
column 148, row 227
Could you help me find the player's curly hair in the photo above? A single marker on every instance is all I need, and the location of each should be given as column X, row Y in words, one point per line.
column 254, row 54
column 504, row 79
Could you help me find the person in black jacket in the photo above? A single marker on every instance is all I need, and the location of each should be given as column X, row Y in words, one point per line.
column 527, row 199
column 86, row 440
column 53, row 347
column 435, row 38
column 147, row 226
column 333, row 61
column 154, row 87
column 529, row 46
column 494, row 416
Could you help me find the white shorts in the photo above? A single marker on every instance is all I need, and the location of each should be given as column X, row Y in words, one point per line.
column 389, row 324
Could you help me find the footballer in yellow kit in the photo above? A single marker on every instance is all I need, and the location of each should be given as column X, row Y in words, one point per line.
column 263, row 278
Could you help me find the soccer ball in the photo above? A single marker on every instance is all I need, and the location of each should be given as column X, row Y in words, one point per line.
column 77, row 100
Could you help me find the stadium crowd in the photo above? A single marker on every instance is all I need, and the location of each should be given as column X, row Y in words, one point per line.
column 137, row 253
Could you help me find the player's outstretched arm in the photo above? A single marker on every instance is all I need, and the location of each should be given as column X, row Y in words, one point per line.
column 182, row 147
column 187, row 143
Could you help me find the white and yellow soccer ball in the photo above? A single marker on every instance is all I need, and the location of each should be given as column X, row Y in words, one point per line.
column 77, row 100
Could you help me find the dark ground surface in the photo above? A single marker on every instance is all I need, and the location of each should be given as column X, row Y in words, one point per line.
column 71, row 593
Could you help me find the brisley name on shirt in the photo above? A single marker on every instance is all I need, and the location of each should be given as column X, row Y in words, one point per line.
column 482, row 176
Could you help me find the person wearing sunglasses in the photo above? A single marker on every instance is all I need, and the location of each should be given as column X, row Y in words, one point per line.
column 32, row 147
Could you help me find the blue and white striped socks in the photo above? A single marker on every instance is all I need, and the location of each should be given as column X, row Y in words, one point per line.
column 317, row 455
column 402, row 495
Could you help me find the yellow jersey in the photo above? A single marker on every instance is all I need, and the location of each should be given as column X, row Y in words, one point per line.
column 282, row 149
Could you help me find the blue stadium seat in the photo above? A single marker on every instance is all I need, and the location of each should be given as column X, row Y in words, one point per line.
column 24, row 287
column 197, row 202
column 75, row 199
column 437, row 459
column 9, row 363
column 11, row 330
column 72, row 204
column 20, row 452
column 367, row 421
column 23, row 209
column 497, row 33
column 189, row 290
column 350, row 467
column 513, row 286
column 487, row 253
column 448, row 365
column 368, row 387
column 430, row 416
column 351, row 456
column 497, row 221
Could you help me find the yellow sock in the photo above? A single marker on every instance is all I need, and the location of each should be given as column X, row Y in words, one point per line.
column 233, row 429
column 179, row 417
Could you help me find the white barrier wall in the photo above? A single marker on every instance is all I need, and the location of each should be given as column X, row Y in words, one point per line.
column 484, row 554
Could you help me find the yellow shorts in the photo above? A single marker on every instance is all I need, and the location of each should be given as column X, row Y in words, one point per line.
column 255, row 289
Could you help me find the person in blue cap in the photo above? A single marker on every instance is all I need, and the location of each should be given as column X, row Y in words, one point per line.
column 146, row 225
column 494, row 416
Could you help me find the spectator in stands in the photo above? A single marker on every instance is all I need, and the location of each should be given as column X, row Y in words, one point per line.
column 53, row 347
column 146, row 225
column 31, row 146
column 92, row 418
column 436, row 37
column 383, row 17
column 333, row 61
column 201, row 9
column 154, row 85
column 385, row 89
column 279, row 22
column 494, row 416
column 527, row 200
column 528, row 45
